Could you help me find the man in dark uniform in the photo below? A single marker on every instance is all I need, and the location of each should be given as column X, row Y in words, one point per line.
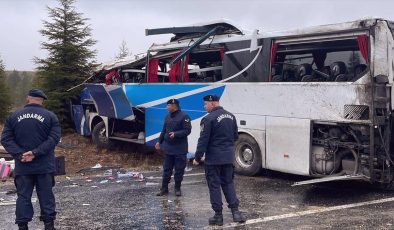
column 30, row 136
column 173, row 140
column 218, row 133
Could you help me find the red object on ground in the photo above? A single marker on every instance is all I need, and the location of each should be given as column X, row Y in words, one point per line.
column 5, row 171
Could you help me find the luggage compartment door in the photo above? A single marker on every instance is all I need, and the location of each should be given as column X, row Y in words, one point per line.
column 288, row 145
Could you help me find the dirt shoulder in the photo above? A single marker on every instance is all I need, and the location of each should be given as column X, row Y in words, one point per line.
column 80, row 153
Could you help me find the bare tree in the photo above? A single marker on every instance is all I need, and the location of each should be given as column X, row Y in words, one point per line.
column 123, row 51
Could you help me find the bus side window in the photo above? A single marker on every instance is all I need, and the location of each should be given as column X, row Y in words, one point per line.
column 319, row 61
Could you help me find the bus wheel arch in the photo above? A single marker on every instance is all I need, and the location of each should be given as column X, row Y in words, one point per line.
column 247, row 155
column 99, row 135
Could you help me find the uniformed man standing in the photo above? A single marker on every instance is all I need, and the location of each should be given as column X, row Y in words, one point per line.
column 218, row 133
column 30, row 136
column 173, row 140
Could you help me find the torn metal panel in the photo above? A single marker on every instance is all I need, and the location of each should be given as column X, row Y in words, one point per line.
column 111, row 101
column 126, row 61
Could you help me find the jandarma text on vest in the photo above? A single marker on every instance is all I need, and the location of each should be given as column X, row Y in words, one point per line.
column 31, row 116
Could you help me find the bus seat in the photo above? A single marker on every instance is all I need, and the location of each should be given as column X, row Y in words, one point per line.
column 304, row 69
column 359, row 69
column 337, row 68
column 326, row 69
column 308, row 78
column 289, row 75
column 341, row 77
column 277, row 78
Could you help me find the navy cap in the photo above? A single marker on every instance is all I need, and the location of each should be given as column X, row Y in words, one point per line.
column 211, row 98
column 37, row 93
column 173, row 101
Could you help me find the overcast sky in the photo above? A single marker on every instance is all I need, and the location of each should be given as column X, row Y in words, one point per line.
column 113, row 21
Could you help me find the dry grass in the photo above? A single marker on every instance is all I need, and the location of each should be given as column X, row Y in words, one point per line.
column 81, row 153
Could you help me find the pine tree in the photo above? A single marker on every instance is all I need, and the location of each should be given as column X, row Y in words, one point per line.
column 5, row 99
column 70, row 59
column 123, row 51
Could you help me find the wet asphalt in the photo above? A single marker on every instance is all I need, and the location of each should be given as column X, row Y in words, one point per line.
column 268, row 200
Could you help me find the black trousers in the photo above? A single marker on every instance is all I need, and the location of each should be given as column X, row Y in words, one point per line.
column 170, row 162
column 221, row 176
column 24, row 186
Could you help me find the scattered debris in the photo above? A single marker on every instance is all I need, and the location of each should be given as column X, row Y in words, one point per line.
column 151, row 184
column 123, row 175
column 85, row 204
column 103, row 181
column 97, row 166
column 71, row 186
column 108, row 172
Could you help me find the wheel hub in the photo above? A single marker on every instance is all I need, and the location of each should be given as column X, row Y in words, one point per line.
column 102, row 135
column 247, row 154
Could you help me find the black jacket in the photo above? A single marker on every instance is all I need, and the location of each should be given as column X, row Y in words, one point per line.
column 219, row 131
column 35, row 129
column 179, row 123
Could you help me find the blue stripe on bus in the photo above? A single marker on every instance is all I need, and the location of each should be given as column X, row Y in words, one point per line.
column 140, row 94
column 192, row 105
column 122, row 105
column 102, row 99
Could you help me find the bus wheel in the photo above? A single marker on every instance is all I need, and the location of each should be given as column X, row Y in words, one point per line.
column 100, row 138
column 247, row 156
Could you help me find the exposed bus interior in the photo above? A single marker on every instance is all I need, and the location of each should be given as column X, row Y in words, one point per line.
column 338, row 60
column 129, row 130
column 199, row 65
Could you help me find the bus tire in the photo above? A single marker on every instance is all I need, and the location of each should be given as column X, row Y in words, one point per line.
column 100, row 138
column 247, row 156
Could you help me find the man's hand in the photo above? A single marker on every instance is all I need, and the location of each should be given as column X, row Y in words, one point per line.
column 172, row 135
column 157, row 146
column 27, row 156
column 195, row 162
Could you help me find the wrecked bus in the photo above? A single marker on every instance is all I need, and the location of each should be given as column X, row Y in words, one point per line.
column 314, row 101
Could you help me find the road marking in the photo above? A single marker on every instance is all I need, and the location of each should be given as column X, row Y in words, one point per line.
column 13, row 202
column 309, row 212
column 194, row 174
column 185, row 175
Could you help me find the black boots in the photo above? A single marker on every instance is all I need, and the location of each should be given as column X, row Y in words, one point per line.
column 237, row 216
column 162, row 192
column 217, row 219
column 178, row 192
column 23, row 226
column 49, row 225
column 178, row 189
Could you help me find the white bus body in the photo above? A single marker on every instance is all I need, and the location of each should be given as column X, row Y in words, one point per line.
column 315, row 102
